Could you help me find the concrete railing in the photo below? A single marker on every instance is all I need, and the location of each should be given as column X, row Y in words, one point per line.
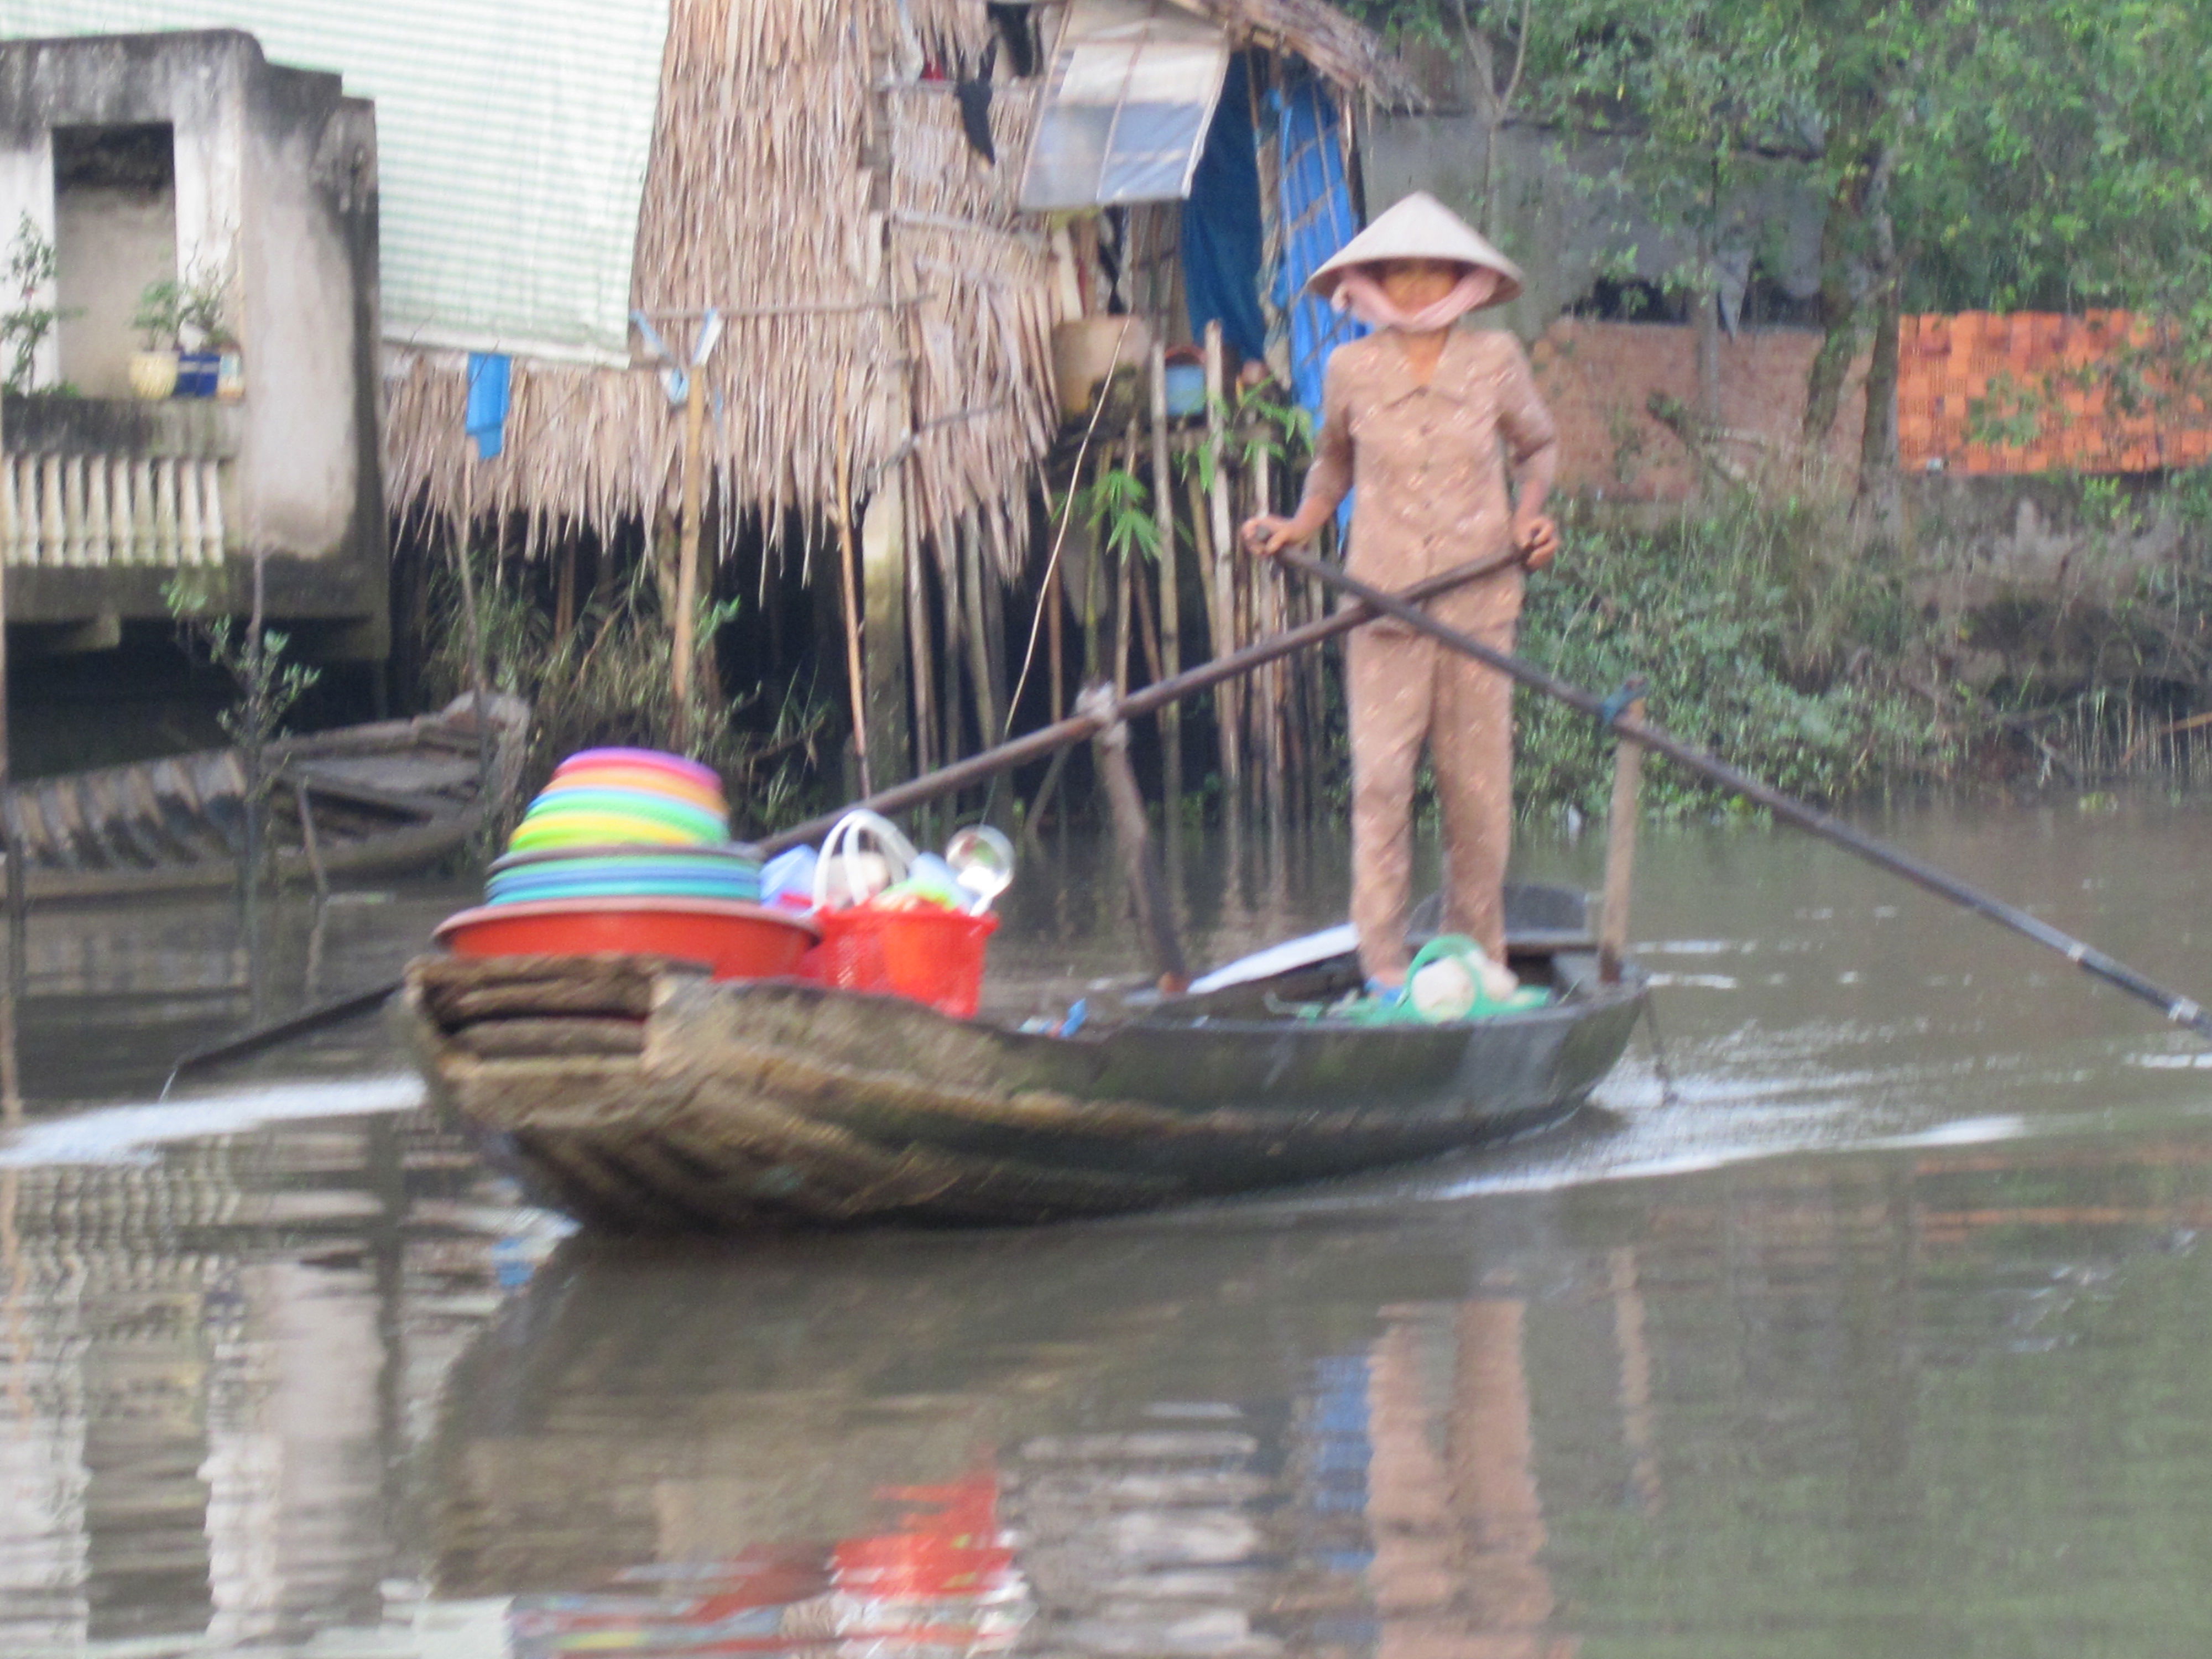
column 111, row 510
column 87, row 483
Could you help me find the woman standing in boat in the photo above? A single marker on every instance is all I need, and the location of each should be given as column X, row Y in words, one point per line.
column 1422, row 419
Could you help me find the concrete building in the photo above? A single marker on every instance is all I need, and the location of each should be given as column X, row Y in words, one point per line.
column 188, row 157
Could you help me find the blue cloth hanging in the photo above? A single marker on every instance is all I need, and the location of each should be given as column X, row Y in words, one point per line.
column 1221, row 235
column 488, row 401
column 1317, row 220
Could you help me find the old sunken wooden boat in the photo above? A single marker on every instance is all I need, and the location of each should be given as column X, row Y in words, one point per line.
column 640, row 1095
column 376, row 799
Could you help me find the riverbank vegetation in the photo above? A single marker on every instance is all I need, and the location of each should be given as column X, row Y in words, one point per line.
column 1779, row 637
column 1771, row 629
column 605, row 679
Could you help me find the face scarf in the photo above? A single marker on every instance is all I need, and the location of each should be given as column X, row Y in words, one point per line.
column 1359, row 290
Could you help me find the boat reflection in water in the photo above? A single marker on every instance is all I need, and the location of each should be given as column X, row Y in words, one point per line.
column 639, row 1451
column 944, row 1582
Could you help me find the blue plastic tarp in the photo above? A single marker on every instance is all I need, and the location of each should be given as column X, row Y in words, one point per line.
column 1221, row 235
column 1317, row 219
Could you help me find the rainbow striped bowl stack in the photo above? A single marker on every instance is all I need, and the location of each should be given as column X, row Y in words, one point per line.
column 626, row 823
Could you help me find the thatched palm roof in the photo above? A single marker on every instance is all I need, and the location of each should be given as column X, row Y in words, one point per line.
column 761, row 199
column 1342, row 50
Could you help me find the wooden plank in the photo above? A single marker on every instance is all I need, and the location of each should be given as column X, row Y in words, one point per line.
column 557, row 1038
column 361, row 794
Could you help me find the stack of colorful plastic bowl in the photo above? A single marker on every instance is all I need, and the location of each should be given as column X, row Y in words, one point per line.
column 626, row 823
column 628, row 851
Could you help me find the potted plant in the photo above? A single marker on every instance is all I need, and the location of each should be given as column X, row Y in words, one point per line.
column 203, row 311
column 160, row 322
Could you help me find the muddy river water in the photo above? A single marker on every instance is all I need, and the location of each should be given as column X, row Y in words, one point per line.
column 1883, row 1332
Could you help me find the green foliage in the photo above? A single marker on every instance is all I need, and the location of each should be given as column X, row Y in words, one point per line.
column 1119, row 506
column 608, row 682
column 1760, row 645
column 269, row 687
column 203, row 309
column 160, row 317
column 24, row 327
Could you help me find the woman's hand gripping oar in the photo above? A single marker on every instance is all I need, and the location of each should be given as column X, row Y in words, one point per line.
column 2182, row 1011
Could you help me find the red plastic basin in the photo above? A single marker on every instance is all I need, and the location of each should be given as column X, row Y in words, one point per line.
column 731, row 939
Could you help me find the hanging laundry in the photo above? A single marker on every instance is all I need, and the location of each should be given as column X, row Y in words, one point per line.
column 486, row 420
column 974, row 98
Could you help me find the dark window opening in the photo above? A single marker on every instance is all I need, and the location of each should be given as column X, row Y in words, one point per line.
column 1016, row 27
column 115, row 233
column 1632, row 300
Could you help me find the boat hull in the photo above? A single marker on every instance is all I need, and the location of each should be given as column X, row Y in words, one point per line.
column 639, row 1095
column 366, row 800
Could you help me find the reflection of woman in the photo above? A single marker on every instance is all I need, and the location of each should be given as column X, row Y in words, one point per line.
column 1415, row 416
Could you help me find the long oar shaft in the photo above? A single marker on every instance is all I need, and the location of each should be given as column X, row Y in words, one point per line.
column 1034, row 745
column 2182, row 1011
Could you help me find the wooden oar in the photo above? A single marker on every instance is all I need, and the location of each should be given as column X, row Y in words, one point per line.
column 2182, row 1011
column 944, row 780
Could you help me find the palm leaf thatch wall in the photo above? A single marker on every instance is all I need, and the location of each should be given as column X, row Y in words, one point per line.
column 870, row 266
column 878, row 285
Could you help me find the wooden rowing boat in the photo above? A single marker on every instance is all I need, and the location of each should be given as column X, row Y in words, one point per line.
column 381, row 798
column 639, row 1095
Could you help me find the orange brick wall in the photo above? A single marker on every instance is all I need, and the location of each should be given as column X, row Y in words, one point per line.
column 2052, row 372
column 1598, row 378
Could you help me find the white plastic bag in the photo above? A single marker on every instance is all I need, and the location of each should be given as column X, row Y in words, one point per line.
column 846, row 873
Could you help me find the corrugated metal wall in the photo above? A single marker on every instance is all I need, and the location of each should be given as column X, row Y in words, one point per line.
column 512, row 140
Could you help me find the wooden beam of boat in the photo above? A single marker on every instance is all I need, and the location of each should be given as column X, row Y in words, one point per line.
column 2182, row 1011
column 1076, row 728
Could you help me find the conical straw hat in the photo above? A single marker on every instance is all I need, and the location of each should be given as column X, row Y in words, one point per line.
column 1419, row 228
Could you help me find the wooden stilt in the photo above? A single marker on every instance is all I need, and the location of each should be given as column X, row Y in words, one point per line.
column 1268, row 619
column 1125, row 576
column 564, row 599
column 1055, row 605
column 926, row 749
column 970, row 560
column 1620, row 851
column 885, row 544
column 687, row 561
column 1132, row 840
column 995, row 643
column 948, row 658
column 1148, row 630
column 1163, row 523
column 1231, row 701
column 848, row 592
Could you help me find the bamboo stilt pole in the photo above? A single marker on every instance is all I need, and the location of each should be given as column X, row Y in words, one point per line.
column 1148, row 632
column 886, row 545
column 1055, row 603
column 1125, row 576
column 1224, row 557
column 687, row 559
column 995, row 642
column 948, row 677
column 979, row 638
column 564, row 599
column 849, row 586
column 926, row 749
column 479, row 677
column 1170, row 618
column 1216, row 627
column 1148, row 894
column 1620, row 850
